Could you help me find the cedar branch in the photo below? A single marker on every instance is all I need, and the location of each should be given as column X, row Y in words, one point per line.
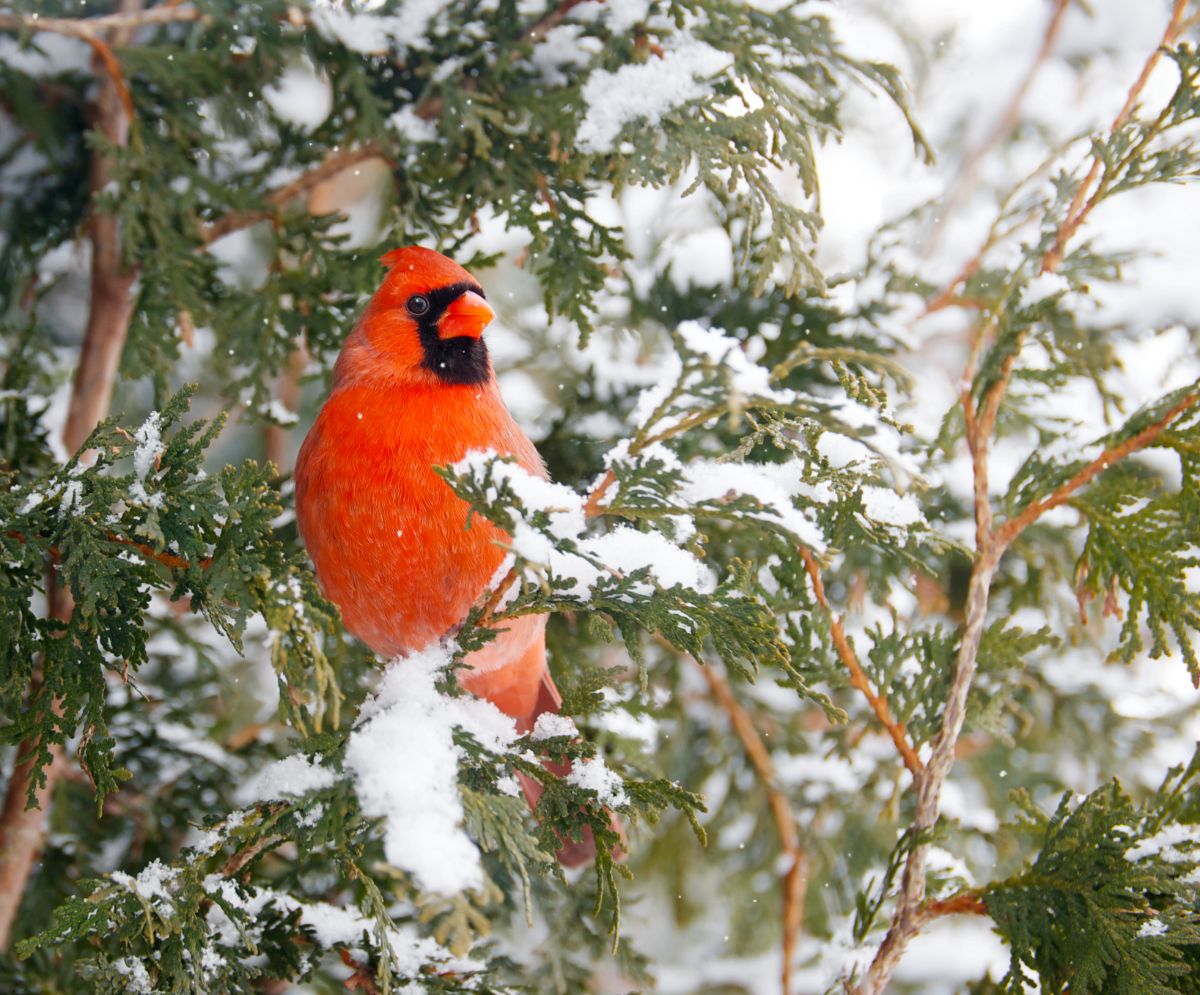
column 110, row 311
column 1081, row 206
column 331, row 165
column 1014, row 526
column 858, row 677
column 795, row 879
column 910, row 913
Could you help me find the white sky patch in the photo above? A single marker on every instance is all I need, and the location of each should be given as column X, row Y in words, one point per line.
column 290, row 777
column 405, row 768
column 645, row 92
column 596, row 776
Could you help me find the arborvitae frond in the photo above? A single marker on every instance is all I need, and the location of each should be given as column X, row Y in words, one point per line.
column 1108, row 904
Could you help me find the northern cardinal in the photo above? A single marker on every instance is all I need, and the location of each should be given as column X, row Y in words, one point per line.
column 413, row 389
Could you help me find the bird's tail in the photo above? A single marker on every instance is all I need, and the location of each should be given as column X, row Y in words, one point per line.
column 573, row 853
column 524, row 690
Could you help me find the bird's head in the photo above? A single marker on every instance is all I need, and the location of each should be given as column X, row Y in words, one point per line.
column 423, row 326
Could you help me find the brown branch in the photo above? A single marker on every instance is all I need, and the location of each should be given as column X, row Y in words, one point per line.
column 22, row 828
column 111, row 66
column 592, row 507
column 1081, row 206
column 858, row 677
column 166, row 559
column 980, row 421
column 795, row 879
column 1012, row 528
column 552, row 19
column 275, row 436
column 87, row 28
column 964, row 903
column 331, row 165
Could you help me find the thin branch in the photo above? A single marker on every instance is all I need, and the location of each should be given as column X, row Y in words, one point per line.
column 858, row 677
column 111, row 309
column 536, row 31
column 795, row 878
column 964, row 903
column 331, row 165
column 968, row 170
column 87, row 28
column 166, row 559
column 1012, row 528
column 1081, row 206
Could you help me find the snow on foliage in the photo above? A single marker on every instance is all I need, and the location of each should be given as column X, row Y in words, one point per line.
column 287, row 778
column 597, row 777
column 646, row 91
column 404, row 763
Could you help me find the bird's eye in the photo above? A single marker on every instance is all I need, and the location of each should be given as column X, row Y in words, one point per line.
column 418, row 304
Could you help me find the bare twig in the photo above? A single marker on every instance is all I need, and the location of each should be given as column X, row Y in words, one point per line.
column 332, row 164
column 1081, row 206
column 1012, row 528
column 969, row 168
column 88, row 28
column 166, row 559
column 21, row 828
column 275, row 436
column 858, row 677
column 965, row 903
column 795, row 879
column 551, row 20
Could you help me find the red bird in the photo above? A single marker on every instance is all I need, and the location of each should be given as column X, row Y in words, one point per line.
column 413, row 389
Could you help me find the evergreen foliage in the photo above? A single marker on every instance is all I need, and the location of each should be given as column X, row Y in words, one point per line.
column 738, row 492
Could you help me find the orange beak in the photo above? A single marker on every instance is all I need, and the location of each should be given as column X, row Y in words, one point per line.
column 467, row 315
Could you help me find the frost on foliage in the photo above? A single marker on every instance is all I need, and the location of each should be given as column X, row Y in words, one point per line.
column 645, row 91
column 148, row 437
column 404, row 763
